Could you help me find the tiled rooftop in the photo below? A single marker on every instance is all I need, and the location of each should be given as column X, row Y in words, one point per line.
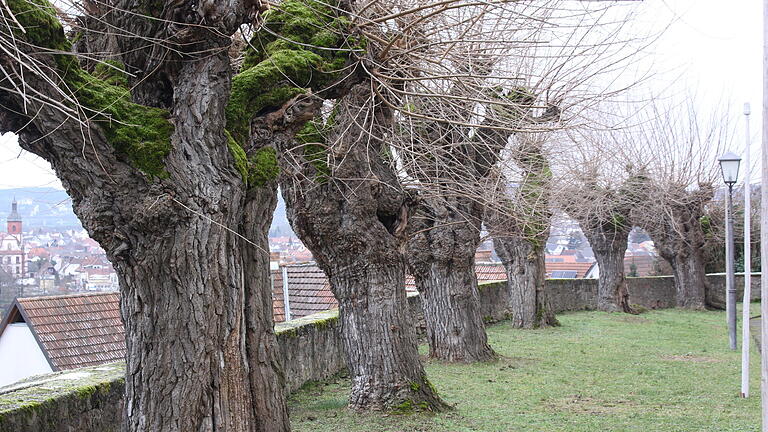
column 76, row 330
column 308, row 290
column 278, row 302
column 581, row 268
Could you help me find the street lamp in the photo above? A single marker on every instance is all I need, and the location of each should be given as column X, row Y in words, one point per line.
column 729, row 166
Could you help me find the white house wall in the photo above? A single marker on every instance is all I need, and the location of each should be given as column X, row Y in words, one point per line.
column 20, row 355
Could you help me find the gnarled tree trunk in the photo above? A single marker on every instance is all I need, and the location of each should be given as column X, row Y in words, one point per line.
column 161, row 194
column 690, row 277
column 347, row 207
column 528, row 303
column 675, row 227
column 609, row 247
column 520, row 229
column 441, row 257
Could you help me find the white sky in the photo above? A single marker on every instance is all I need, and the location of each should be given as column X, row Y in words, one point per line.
column 713, row 49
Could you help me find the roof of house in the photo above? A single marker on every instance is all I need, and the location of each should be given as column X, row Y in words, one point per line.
column 491, row 271
column 73, row 330
column 308, row 290
column 278, row 301
column 486, row 272
column 581, row 269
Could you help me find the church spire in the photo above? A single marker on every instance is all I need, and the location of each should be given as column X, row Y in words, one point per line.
column 14, row 219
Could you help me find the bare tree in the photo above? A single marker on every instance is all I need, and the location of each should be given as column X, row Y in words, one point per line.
column 519, row 224
column 158, row 155
column 604, row 214
column 678, row 149
column 498, row 71
column 345, row 203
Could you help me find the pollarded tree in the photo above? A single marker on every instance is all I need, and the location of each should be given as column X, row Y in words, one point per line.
column 165, row 173
column 451, row 166
column 679, row 150
column 519, row 225
column 345, row 203
column 455, row 127
column 679, row 237
column 604, row 214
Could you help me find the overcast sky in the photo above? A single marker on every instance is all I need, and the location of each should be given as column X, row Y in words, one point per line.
column 713, row 49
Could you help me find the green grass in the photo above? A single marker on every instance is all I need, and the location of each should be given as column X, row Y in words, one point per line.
column 665, row 370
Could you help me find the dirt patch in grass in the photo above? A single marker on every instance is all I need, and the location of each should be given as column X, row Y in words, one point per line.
column 581, row 404
column 505, row 362
column 633, row 319
column 690, row 358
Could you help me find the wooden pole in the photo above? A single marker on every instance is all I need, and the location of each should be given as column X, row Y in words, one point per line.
column 747, row 265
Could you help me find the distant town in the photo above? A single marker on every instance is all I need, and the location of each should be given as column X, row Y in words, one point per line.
column 45, row 251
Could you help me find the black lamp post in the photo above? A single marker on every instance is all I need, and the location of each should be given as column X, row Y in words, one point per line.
column 729, row 166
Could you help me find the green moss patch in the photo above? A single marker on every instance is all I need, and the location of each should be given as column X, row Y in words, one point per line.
column 297, row 327
column 141, row 134
column 263, row 167
column 302, row 44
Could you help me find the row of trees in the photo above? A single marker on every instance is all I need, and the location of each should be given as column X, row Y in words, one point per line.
column 395, row 133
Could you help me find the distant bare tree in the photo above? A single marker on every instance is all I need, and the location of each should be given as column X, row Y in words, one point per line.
column 494, row 82
column 600, row 190
column 679, row 150
column 519, row 224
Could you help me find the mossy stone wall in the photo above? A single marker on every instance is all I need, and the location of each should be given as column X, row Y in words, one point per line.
column 86, row 399
column 90, row 399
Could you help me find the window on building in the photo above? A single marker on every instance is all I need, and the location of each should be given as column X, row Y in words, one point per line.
column 13, row 228
column 18, row 270
column 18, row 260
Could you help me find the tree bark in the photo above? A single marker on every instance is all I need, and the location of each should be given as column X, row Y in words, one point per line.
column 347, row 207
column 520, row 229
column 690, row 279
column 441, row 257
column 199, row 339
column 528, row 303
column 675, row 227
column 609, row 247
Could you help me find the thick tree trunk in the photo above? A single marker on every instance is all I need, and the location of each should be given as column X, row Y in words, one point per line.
column 690, row 279
column 199, row 338
column 529, row 304
column 679, row 238
column 347, row 207
column 220, row 327
column 450, row 302
column 267, row 380
column 379, row 337
column 612, row 292
column 441, row 257
column 609, row 247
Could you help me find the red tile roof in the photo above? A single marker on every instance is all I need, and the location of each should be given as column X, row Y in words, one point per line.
column 278, row 302
column 487, row 272
column 73, row 330
column 581, row 268
column 308, row 290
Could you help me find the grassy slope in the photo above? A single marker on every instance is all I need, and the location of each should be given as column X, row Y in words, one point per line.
column 661, row 371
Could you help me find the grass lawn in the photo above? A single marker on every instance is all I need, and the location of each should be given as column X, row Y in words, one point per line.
column 667, row 370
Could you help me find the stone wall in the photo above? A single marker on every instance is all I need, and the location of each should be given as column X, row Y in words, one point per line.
column 717, row 286
column 310, row 348
column 87, row 399
column 90, row 399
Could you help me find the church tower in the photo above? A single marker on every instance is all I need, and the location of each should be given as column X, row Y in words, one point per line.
column 14, row 220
